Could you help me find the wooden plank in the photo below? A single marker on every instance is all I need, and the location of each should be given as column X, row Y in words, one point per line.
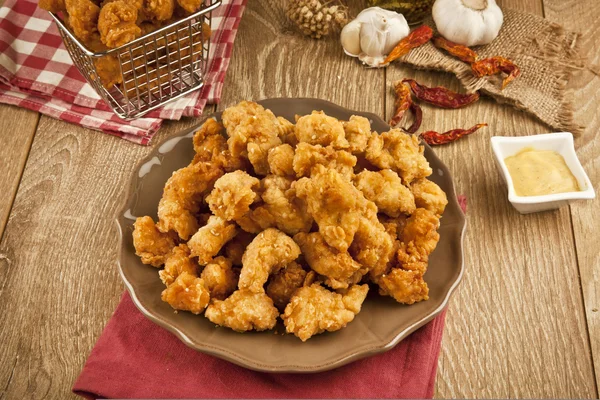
column 514, row 328
column 60, row 283
column 271, row 60
column 584, row 17
column 17, row 128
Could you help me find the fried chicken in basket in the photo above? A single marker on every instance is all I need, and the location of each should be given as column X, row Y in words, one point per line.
column 272, row 220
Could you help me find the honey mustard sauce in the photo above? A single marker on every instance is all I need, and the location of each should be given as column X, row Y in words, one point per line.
column 540, row 172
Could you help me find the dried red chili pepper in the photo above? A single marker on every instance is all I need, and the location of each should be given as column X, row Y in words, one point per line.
column 440, row 96
column 418, row 114
column 493, row 65
column 416, row 38
column 457, row 50
column 433, row 138
column 403, row 102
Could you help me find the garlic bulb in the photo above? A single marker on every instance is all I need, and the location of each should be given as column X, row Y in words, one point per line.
column 468, row 22
column 373, row 34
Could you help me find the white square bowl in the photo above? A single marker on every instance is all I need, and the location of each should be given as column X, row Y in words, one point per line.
column 560, row 142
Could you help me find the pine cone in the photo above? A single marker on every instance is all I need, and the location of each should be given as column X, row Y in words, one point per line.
column 316, row 19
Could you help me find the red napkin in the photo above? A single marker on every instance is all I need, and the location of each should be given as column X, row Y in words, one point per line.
column 134, row 358
column 37, row 73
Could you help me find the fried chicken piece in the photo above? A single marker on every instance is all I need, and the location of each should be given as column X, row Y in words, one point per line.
column 281, row 159
column 191, row 6
column 372, row 247
column 406, row 287
column 256, row 220
column 219, row 278
column 282, row 208
column 233, row 194
column 429, row 195
column 158, row 10
column 286, row 132
column 386, row 190
column 83, row 17
column 400, row 152
column 314, row 309
column 117, row 23
column 208, row 241
column 235, row 248
column 318, row 128
column 183, row 195
column 54, row 6
column 307, row 156
column 252, row 132
column 284, row 283
column 358, row 133
column 270, row 251
column 178, row 261
column 210, row 144
column 338, row 267
column 419, row 237
column 335, row 204
column 151, row 245
column 244, row 311
column 187, row 293
column 393, row 226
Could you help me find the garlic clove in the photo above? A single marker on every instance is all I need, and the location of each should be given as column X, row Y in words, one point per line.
column 468, row 22
column 373, row 34
column 350, row 38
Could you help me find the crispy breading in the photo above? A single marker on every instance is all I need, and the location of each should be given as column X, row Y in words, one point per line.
column 285, row 210
column 244, row 311
column 419, row 237
column 151, row 245
column 179, row 261
column 400, row 152
column 219, row 278
column 116, row 23
column 270, row 251
column 283, row 284
column 358, row 133
column 429, row 195
column 386, row 190
column 281, row 160
column 208, row 241
column 233, row 194
column 183, row 195
column 307, row 156
column 187, row 293
column 335, row 204
column 83, row 17
column 235, row 248
column 210, row 144
column 54, row 6
column 406, row 287
column 286, row 132
column 252, row 132
column 190, row 6
column 338, row 267
column 314, row 309
column 318, row 128
column 158, row 10
column 373, row 246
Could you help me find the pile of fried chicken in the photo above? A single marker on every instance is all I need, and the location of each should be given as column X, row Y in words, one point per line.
column 272, row 219
column 108, row 24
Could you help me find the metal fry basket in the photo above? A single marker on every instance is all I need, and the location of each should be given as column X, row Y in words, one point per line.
column 150, row 71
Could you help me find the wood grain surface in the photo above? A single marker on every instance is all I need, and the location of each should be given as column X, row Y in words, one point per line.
column 18, row 129
column 584, row 17
column 523, row 323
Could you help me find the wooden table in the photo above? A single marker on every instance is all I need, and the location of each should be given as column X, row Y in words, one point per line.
column 523, row 323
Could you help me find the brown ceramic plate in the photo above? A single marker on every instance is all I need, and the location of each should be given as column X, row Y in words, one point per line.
column 380, row 325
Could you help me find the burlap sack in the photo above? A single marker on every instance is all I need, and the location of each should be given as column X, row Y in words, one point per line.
column 546, row 54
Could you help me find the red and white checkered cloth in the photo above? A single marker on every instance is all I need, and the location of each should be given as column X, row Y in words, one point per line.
column 36, row 72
